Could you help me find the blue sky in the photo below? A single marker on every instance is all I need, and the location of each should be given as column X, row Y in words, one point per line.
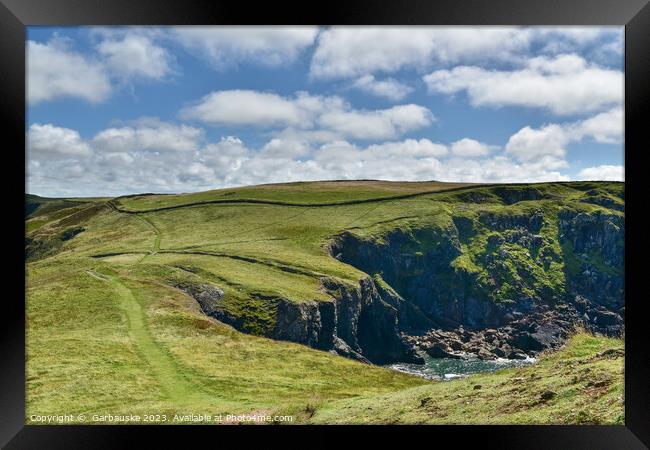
column 113, row 111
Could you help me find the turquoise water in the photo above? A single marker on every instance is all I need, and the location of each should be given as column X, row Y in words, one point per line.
column 449, row 369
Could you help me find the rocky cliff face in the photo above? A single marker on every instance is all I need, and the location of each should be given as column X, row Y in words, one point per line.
column 423, row 276
column 360, row 322
column 595, row 253
column 527, row 278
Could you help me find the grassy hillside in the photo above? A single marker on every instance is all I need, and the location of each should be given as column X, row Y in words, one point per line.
column 107, row 331
column 318, row 192
column 104, row 339
column 581, row 384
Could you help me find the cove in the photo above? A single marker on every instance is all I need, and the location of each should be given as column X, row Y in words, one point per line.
column 446, row 369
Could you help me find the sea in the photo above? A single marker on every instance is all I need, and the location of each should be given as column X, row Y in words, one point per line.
column 446, row 369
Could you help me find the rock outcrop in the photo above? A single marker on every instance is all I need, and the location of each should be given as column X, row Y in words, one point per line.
column 359, row 322
column 595, row 255
column 522, row 337
column 38, row 247
column 210, row 299
column 367, row 320
column 424, row 277
column 523, row 289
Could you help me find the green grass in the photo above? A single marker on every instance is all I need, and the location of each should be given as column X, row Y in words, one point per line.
column 126, row 341
column 100, row 341
column 586, row 384
column 299, row 192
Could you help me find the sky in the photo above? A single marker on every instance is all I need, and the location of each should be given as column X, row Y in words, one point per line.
column 123, row 110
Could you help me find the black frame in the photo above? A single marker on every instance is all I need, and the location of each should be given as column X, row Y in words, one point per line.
column 15, row 15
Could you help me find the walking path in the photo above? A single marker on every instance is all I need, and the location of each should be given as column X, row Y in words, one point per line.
column 177, row 388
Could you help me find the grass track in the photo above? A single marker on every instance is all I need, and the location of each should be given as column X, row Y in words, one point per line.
column 177, row 388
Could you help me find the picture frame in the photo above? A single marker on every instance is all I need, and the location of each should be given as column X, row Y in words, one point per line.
column 16, row 15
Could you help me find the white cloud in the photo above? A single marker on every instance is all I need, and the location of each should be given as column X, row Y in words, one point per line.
column 48, row 141
column 243, row 107
column 548, row 143
column 422, row 148
column 359, row 53
column 229, row 146
column 141, row 166
column 356, row 51
column 307, row 117
column 116, row 159
column 393, row 161
column 135, row 55
column 149, row 135
column 570, row 39
column 379, row 124
column 579, row 35
column 469, row 148
column 312, row 136
column 358, row 124
column 499, row 169
column 196, row 173
column 529, row 144
column 566, row 84
column 227, row 46
column 349, row 52
column 280, row 148
column 225, row 158
column 388, row 88
column 606, row 127
column 55, row 71
column 604, row 172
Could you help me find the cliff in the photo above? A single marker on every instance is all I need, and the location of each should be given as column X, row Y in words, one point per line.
column 360, row 322
column 502, row 282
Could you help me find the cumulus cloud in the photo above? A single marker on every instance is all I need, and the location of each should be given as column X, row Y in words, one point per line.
column 565, row 84
column 356, row 53
column 55, row 71
column 48, row 141
column 149, row 135
column 226, row 46
column 548, row 143
column 136, row 161
column 394, row 161
column 422, row 148
column 312, row 136
column 606, row 127
column 135, row 55
column 320, row 135
column 469, row 148
column 314, row 117
column 570, row 39
column 388, row 88
column 245, row 107
column 604, row 172
column 499, row 169
column 351, row 52
column 529, row 144
column 196, row 173
column 347, row 52
column 379, row 124
column 281, row 148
